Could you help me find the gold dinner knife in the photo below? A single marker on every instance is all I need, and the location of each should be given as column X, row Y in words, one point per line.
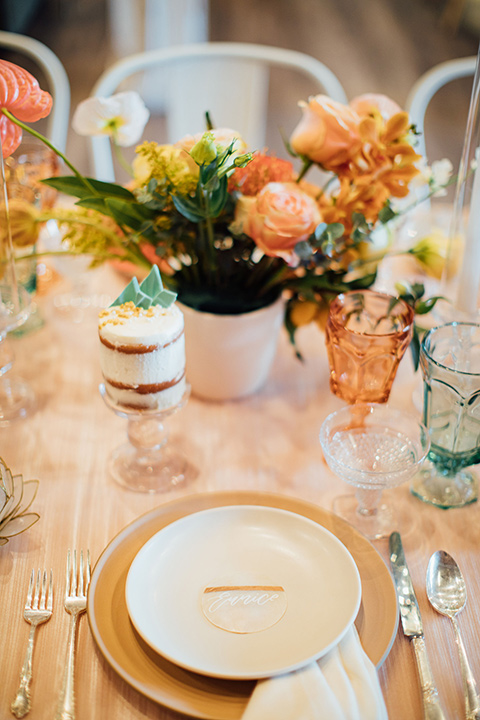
column 413, row 628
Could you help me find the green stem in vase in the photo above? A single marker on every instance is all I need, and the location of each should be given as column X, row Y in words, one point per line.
column 202, row 252
column 307, row 164
column 258, row 271
column 192, row 271
column 121, row 159
column 187, row 276
column 65, row 216
column 129, row 250
column 266, row 275
column 274, row 280
column 47, row 142
column 324, row 189
column 210, row 238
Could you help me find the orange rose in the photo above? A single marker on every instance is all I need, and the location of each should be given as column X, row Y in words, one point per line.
column 281, row 216
column 327, row 133
column 373, row 104
column 262, row 169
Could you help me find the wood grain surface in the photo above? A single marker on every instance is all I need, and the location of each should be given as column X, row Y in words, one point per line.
column 267, row 443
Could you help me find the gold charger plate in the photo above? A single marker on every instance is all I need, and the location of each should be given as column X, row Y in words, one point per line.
column 196, row 695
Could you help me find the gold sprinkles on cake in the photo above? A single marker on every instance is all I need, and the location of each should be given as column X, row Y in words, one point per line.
column 120, row 314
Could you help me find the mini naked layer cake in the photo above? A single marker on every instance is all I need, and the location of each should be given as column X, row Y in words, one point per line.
column 142, row 352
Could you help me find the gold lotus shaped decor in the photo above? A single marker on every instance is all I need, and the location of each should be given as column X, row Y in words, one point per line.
column 16, row 496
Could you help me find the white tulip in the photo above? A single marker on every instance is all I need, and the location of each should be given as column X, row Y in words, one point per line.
column 122, row 116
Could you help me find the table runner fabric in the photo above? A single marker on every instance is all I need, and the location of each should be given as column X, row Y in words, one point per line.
column 342, row 685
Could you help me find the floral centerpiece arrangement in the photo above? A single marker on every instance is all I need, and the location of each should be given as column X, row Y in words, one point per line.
column 233, row 229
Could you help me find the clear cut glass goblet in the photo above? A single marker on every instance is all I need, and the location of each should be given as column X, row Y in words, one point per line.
column 372, row 447
column 148, row 462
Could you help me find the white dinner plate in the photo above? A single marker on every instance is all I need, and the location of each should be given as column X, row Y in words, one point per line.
column 242, row 591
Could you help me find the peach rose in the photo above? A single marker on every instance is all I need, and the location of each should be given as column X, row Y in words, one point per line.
column 327, row 133
column 281, row 216
column 372, row 103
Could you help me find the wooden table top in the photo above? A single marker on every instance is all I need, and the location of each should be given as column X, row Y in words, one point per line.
column 267, row 442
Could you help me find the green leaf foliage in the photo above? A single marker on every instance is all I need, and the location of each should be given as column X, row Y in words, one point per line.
column 75, row 186
column 188, row 208
column 386, row 214
column 422, row 307
column 415, row 348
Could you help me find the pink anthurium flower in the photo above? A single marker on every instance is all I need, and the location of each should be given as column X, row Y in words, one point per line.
column 21, row 95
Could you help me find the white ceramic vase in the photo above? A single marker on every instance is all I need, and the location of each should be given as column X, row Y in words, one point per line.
column 229, row 356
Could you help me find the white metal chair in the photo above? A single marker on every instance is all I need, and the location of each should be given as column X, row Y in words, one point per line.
column 55, row 74
column 230, row 80
column 429, row 83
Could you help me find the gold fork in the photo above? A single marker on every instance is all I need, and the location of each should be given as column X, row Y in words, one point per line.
column 38, row 609
column 75, row 605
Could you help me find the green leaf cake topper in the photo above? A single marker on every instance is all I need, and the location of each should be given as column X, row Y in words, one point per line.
column 147, row 293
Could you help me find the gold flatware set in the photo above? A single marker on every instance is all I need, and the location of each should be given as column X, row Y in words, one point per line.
column 445, row 589
column 39, row 609
column 446, row 593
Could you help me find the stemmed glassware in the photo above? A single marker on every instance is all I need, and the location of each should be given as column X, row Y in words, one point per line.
column 372, row 447
column 17, row 398
column 450, row 362
column 148, row 462
column 367, row 334
column 31, row 162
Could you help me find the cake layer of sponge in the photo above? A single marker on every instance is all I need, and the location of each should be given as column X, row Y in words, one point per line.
column 142, row 354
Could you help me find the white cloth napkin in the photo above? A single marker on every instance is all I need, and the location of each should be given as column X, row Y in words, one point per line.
column 342, row 685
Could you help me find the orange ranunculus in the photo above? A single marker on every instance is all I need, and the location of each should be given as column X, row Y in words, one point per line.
column 374, row 104
column 327, row 133
column 279, row 217
column 20, row 93
column 262, row 169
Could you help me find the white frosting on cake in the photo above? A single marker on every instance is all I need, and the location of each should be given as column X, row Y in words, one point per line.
column 129, row 325
column 142, row 355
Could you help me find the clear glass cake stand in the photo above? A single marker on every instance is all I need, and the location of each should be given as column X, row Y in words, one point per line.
column 149, row 462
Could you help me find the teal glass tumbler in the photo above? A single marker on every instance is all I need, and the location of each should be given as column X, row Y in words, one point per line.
column 450, row 363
